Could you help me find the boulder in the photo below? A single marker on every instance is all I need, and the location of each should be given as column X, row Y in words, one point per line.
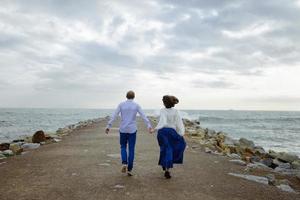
column 4, row 146
column 286, row 157
column 16, row 148
column 38, row 137
column 246, row 143
column 296, row 164
column 8, row 153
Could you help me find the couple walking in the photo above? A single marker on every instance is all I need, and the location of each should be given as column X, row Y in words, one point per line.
column 170, row 131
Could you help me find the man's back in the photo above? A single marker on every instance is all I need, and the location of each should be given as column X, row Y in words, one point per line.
column 128, row 110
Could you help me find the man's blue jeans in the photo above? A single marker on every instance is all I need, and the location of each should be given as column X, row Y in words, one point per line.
column 129, row 138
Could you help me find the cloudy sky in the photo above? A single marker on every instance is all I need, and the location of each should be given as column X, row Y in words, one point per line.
column 214, row 54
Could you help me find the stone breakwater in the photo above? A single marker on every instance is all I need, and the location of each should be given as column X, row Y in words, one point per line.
column 254, row 158
column 21, row 146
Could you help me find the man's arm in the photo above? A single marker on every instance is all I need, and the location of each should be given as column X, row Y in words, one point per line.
column 115, row 114
column 146, row 120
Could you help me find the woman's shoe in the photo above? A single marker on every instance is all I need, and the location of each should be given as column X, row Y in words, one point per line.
column 167, row 175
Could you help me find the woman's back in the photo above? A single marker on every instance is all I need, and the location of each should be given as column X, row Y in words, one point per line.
column 170, row 118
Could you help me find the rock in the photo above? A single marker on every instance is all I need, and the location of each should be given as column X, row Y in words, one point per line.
column 296, row 164
column 16, row 148
column 291, row 172
column 2, row 156
column 234, row 156
column 239, row 162
column 8, row 153
column 39, row 137
column 271, row 179
column 254, row 159
column 286, row 188
column 257, row 165
column 246, row 143
column 268, row 162
column 259, row 151
column 257, row 179
column 207, row 150
column 298, row 176
column 272, row 154
column 18, row 140
column 30, row 146
column 285, row 157
column 282, row 164
column 4, row 146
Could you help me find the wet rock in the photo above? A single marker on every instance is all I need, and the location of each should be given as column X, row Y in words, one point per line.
column 246, row 143
column 39, row 137
column 30, row 145
column 286, row 188
column 257, row 179
column 285, row 157
column 8, row 153
column 16, row 148
column 4, row 146
column 296, row 164
column 239, row 162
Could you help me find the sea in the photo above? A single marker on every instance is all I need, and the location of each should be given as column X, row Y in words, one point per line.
column 276, row 130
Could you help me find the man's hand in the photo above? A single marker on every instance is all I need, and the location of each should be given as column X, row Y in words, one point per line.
column 151, row 130
column 107, row 130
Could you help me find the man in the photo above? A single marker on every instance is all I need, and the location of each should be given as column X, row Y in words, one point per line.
column 128, row 129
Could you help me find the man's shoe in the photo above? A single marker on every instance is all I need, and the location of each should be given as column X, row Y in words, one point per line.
column 124, row 169
column 129, row 173
column 167, row 175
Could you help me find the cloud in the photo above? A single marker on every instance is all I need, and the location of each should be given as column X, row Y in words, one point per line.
column 74, row 46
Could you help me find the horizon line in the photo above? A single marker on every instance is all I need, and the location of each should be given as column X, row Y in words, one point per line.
column 186, row 109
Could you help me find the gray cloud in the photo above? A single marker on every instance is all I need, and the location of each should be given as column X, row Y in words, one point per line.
column 92, row 46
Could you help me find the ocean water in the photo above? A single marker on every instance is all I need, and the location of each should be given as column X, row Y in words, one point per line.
column 279, row 131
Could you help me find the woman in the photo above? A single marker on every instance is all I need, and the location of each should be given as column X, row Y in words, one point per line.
column 170, row 135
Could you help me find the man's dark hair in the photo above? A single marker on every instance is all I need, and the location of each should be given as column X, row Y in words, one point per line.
column 170, row 101
column 130, row 95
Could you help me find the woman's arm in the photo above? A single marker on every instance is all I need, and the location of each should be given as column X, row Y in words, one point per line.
column 179, row 124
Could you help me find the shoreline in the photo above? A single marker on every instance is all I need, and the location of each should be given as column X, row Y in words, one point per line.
column 241, row 151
